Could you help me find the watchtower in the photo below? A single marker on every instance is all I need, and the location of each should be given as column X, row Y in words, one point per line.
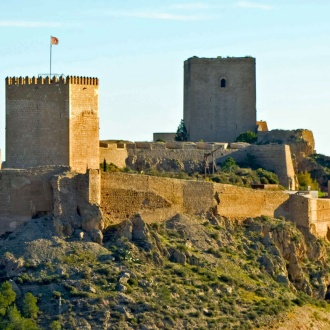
column 219, row 98
column 52, row 122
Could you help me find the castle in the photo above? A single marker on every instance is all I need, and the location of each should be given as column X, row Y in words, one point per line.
column 53, row 156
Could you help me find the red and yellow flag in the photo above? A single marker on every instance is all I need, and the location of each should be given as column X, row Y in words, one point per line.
column 53, row 40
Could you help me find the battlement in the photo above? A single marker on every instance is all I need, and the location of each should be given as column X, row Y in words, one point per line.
column 75, row 80
column 219, row 59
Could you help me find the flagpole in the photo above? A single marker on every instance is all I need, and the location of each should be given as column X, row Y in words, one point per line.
column 50, row 60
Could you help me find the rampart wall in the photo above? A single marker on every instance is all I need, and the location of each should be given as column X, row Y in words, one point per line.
column 25, row 194
column 73, row 198
column 156, row 199
column 115, row 153
column 189, row 156
column 191, row 197
column 272, row 157
column 29, row 193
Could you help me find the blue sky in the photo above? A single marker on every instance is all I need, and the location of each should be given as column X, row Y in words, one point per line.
column 137, row 48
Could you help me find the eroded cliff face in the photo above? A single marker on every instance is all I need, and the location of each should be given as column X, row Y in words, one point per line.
column 188, row 272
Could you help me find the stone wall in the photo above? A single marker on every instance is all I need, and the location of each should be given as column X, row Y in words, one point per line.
column 84, row 127
column 52, row 122
column 25, row 194
column 320, row 211
column 272, row 157
column 164, row 136
column 156, row 199
column 191, row 197
column 76, row 200
column 28, row 193
column 301, row 142
column 113, row 153
column 37, row 123
column 189, row 157
column 219, row 98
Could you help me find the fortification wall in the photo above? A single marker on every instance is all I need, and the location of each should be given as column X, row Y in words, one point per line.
column 189, row 157
column 276, row 158
column 75, row 198
column 320, row 214
column 219, row 98
column 181, row 196
column 28, row 193
column 164, row 136
column 113, row 153
column 239, row 202
column 156, row 199
column 25, row 194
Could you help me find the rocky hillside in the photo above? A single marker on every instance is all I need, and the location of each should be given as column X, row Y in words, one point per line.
column 186, row 273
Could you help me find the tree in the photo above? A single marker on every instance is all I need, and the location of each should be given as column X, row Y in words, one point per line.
column 305, row 180
column 17, row 322
column 248, row 137
column 7, row 297
column 181, row 133
column 30, row 308
column 229, row 165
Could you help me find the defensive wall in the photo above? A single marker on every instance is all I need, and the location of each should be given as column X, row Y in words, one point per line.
column 156, row 199
column 31, row 193
column 272, row 157
column 189, row 156
column 73, row 198
column 52, row 122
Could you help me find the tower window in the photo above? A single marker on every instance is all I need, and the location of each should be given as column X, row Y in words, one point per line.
column 223, row 83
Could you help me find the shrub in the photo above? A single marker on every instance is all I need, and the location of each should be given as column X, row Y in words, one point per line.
column 249, row 137
column 7, row 297
column 229, row 165
column 305, row 180
column 30, row 308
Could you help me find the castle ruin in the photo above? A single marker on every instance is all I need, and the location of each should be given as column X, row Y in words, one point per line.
column 52, row 156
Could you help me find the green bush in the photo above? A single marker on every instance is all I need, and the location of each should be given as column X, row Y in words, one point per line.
column 305, row 180
column 30, row 308
column 248, row 137
column 229, row 165
column 7, row 297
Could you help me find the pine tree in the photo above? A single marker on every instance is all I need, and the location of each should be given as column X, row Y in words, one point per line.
column 7, row 297
column 30, row 308
column 181, row 133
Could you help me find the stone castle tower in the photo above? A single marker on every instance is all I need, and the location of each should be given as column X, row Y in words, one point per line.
column 52, row 122
column 219, row 98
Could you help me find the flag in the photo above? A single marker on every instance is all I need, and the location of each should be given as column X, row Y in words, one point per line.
column 53, row 40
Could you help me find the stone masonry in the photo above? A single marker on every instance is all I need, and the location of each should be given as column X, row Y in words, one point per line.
column 219, row 98
column 52, row 122
column 157, row 199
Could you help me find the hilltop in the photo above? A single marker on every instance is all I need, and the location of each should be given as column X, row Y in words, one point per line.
column 188, row 272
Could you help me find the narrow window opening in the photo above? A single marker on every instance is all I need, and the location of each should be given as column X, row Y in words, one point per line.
column 223, row 83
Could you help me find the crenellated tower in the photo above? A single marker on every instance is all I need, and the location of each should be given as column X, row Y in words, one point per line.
column 52, row 122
